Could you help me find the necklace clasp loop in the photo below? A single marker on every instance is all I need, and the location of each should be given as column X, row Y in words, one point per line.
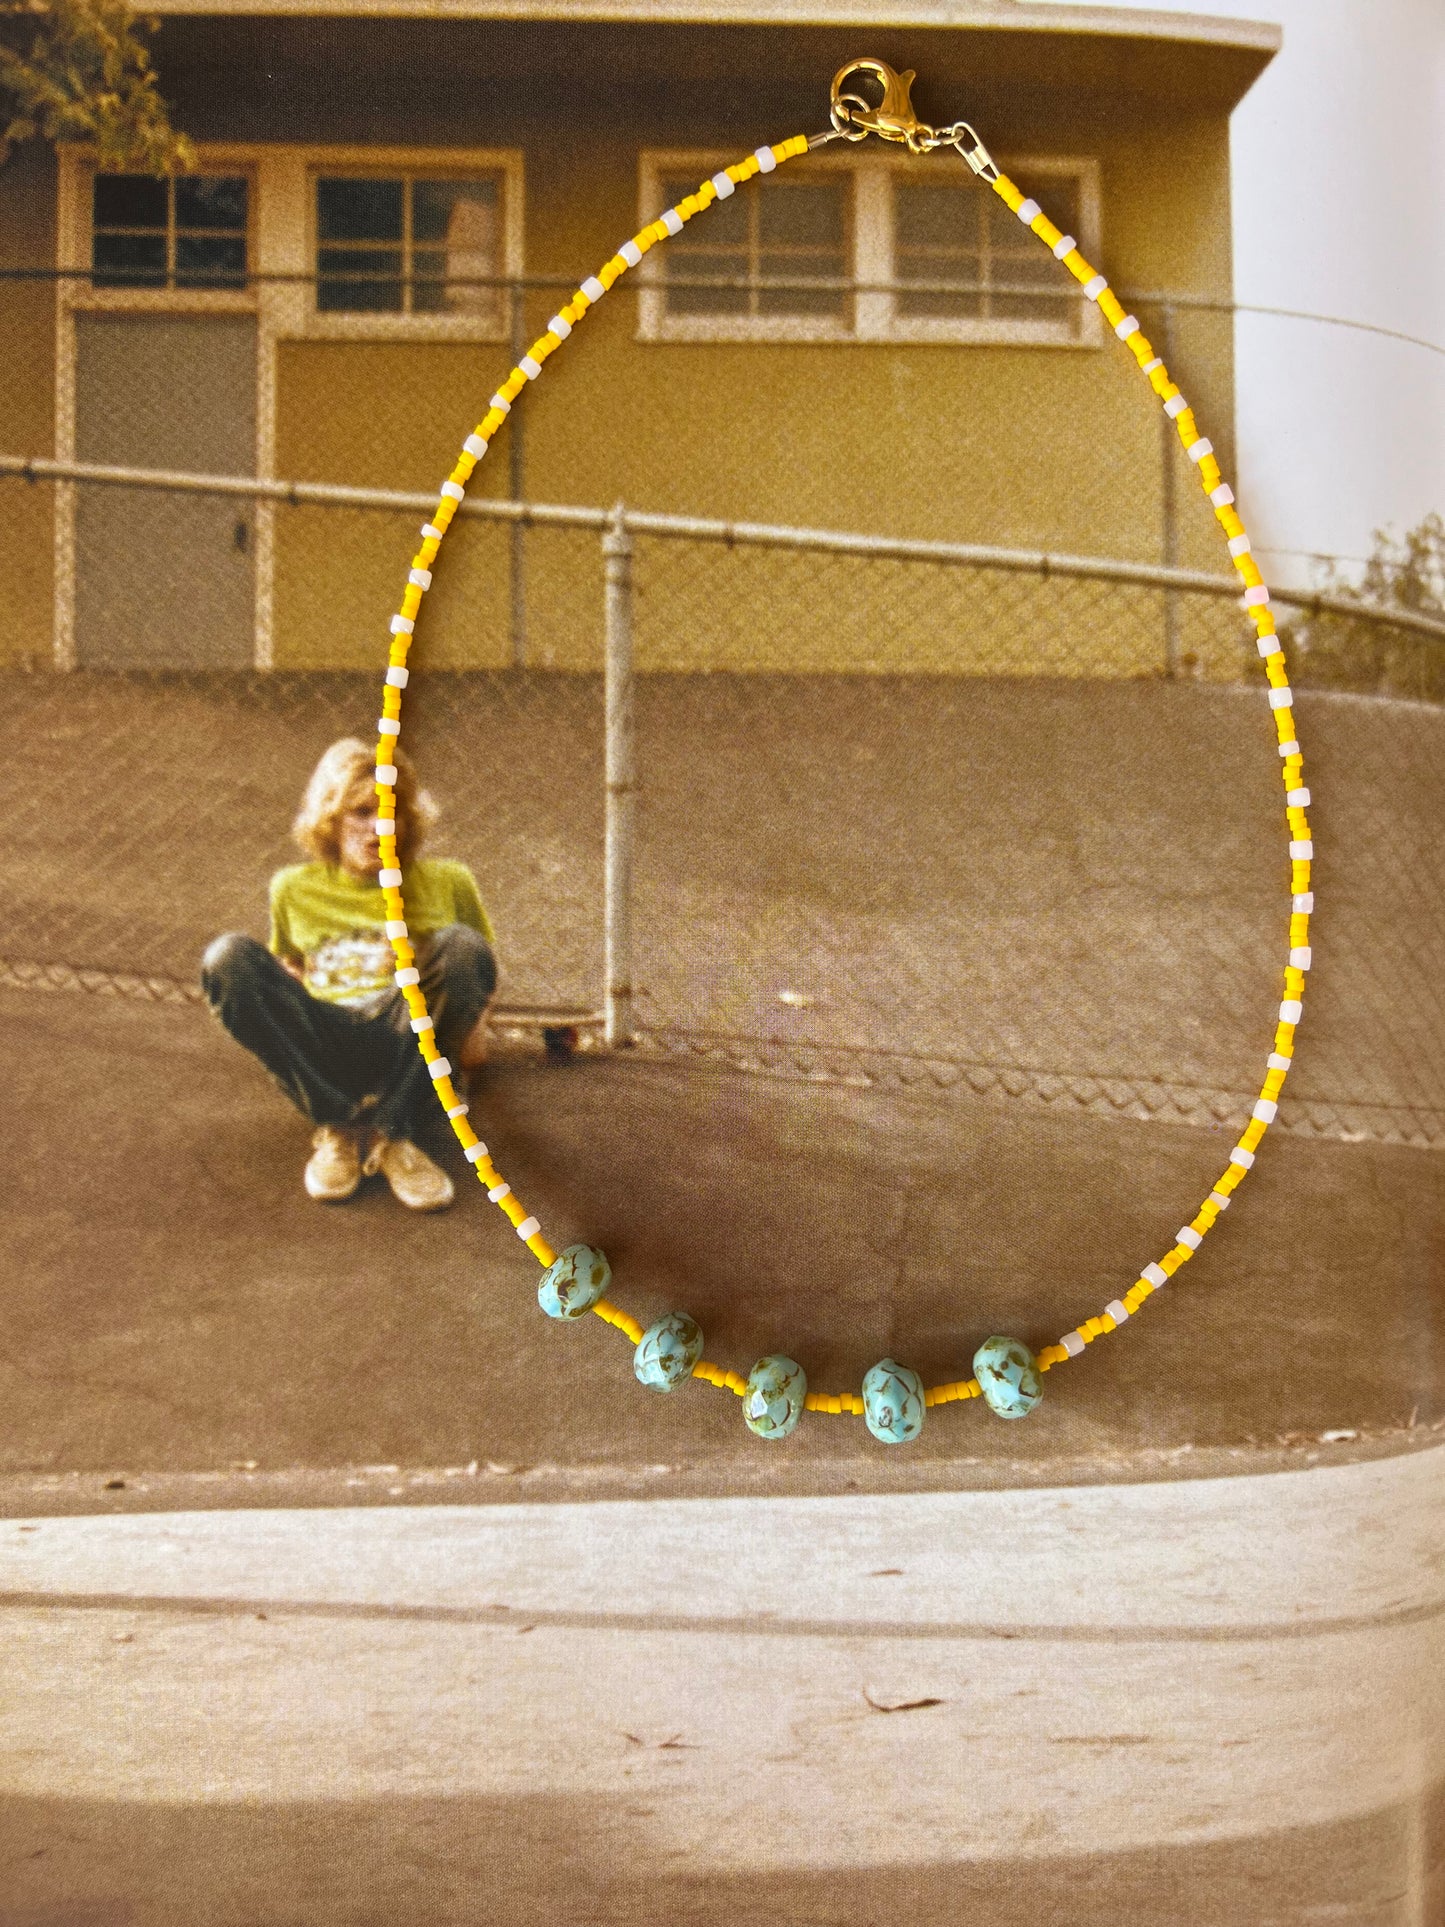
column 892, row 117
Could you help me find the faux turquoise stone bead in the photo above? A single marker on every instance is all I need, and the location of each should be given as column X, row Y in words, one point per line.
column 893, row 1407
column 668, row 1351
column 572, row 1284
column 773, row 1402
column 1008, row 1377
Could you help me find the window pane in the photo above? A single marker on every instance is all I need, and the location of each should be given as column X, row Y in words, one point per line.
column 937, row 227
column 210, row 260
column 211, row 201
column 717, row 249
column 129, row 260
column 359, row 281
column 129, row 200
column 802, row 236
column 457, row 247
column 359, row 210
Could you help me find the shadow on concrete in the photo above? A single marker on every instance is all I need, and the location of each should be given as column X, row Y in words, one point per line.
column 565, row 1861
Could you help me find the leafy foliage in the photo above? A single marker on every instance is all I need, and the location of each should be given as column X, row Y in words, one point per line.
column 78, row 70
column 1339, row 652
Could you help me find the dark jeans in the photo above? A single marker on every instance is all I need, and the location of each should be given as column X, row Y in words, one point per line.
column 328, row 1058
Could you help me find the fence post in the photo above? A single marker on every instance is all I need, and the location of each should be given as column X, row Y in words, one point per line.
column 517, row 484
column 1169, row 501
column 621, row 784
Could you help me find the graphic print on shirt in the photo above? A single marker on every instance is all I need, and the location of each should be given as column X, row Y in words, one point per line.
column 350, row 967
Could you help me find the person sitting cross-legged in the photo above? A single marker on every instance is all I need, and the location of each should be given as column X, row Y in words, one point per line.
column 319, row 1006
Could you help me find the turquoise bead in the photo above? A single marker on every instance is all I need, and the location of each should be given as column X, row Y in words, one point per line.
column 773, row 1402
column 1008, row 1377
column 572, row 1284
column 893, row 1405
column 668, row 1351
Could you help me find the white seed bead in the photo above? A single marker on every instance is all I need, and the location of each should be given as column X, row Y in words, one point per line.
column 387, row 726
column 1264, row 1111
column 1291, row 748
column 453, row 491
column 498, row 1192
column 528, row 1228
column 405, row 978
column 593, row 288
column 560, row 326
column 1150, row 366
column 1128, row 326
column 402, row 625
column 1028, row 212
column 398, row 676
column 458, row 1110
column 1303, row 902
column 386, row 775
column 430, row 532
column 724, row 185
column 1281, row 699
column 631, row 253
column 475, row 447
column 421, row 1024
column 1072, row 1343
column 1268, row 645
column 1175, row 405
column 1239, row 545
column 1256, row 597
column 386, row 826
column 1301, row 849
column 1241, row 1157
column 1117, row 1310
column 474, row 1153
column 501, row 404
column 419, row 578
column 438, row 1068
column 1155, row 1275
column 1221, row 496
column 766, row 159
column 1064, row 245
column 1197, row 450
column 395, row 927
column 389, row 879
column 530, row 367
column 1093, row 289
column 1300, row 957
column 1297, row 799
column 1291, row 1010
column 672, row 220
column 1219, row 1200
column 1278, row 1062
column 1189, row 1238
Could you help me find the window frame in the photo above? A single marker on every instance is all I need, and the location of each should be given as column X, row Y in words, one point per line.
column 873, row 251
column 412, row 163
column 77, row 229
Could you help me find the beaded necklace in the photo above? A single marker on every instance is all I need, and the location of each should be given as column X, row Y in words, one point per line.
column 1007, row 1375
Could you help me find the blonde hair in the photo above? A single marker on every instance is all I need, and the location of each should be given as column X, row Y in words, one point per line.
column 346, row 776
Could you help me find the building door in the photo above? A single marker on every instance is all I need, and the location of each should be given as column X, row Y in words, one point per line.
column 165, row 581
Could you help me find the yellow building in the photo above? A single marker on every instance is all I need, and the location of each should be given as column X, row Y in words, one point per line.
column 392, row 197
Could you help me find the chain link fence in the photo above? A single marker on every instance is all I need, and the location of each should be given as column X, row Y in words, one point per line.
column 1001, row 816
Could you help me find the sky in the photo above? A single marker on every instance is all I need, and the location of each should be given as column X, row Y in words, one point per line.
column 1339, row 208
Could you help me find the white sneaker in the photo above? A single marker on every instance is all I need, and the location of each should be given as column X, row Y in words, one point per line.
column 415, row 1180
column 334, row 1168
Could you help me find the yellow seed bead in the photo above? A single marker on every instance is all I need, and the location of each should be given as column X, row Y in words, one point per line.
column 1045, row 230
column 541, row 1250
column 1110, row 308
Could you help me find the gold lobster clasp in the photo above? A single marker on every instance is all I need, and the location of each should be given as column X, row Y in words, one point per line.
column 893, row 116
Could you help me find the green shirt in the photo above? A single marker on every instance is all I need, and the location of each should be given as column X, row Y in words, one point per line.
column 335, row 926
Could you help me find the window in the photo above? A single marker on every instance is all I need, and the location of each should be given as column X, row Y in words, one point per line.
column 410, row 245
column 186, row 231
column 900, row 252
column 796, row 233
